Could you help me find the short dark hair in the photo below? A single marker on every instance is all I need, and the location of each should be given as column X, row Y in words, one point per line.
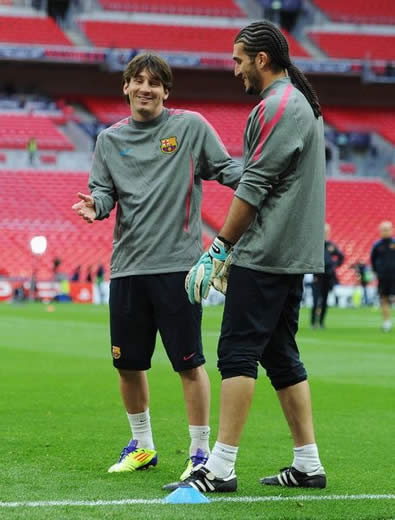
column 156, row 66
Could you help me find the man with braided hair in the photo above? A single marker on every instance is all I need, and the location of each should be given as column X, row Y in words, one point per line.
column 275, row 231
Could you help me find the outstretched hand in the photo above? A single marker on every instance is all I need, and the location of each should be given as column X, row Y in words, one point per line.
column 85, row 208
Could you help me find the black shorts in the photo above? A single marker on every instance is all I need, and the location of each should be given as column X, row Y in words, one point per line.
column 259, row 326
column 386, row 285
column 143, row 304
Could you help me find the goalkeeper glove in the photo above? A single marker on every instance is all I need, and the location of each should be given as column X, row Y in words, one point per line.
column 201, row 276
column 220, row 282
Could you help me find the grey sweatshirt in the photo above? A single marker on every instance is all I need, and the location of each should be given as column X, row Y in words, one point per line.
column 153, row 171
column 284, row 178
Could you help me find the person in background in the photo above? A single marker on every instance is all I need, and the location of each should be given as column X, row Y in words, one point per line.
column 32, row 150
column 323, row 283
column 100, row 283
column 56, row 262
column 76, row 275
column 33, row 293
column 89, row 277
column 382, row 258
column 151, row 165
column 364, row 277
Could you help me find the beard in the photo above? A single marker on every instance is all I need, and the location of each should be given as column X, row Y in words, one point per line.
column 253, row 91
column 254, row 81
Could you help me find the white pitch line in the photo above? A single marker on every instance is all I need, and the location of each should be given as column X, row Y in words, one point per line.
column 127, row 502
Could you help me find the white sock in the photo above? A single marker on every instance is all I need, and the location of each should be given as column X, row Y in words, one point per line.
column 140, row 424
column 200, row 436
column 222, row 459
column 306, row 458
column 387, row 324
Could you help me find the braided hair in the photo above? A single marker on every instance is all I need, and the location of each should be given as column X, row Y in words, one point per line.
column 265, row 36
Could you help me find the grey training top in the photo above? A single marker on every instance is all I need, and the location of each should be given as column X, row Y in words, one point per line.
column 284, row 178
column 153, row 171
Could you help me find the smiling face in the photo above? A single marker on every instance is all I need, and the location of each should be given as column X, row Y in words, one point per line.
column 146, row 95
column 246, row 69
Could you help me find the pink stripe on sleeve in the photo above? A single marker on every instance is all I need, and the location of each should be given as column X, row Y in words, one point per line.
column 267, row 128
column 189, row 194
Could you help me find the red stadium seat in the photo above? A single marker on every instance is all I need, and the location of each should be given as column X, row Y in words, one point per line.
column 39, row 203
column 354, row 210
column 227, row 8
column 16, row 130
column 38, row 30
column 380, row 11
column 355, row 46
column 362, row 119
column 168, row 37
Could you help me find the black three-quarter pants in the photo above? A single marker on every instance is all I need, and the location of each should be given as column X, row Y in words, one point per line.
column 259, row 325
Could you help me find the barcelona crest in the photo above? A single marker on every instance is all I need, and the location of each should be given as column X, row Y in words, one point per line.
column 169, row 145
column 116, row 352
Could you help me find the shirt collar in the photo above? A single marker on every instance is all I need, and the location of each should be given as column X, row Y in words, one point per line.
column 152, row 122
column 267, row 91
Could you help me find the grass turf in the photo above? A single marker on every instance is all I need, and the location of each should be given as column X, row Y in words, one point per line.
column 62, row 423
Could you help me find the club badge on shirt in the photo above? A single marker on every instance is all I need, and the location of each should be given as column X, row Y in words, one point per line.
column 169, row 144
column 116, row 352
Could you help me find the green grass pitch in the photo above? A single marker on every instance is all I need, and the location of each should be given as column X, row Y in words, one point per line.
column 62, row 423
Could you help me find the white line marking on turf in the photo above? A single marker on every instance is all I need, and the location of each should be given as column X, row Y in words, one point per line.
column 127, row 502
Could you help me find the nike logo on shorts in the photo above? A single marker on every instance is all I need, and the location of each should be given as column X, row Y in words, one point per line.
column 186, row 358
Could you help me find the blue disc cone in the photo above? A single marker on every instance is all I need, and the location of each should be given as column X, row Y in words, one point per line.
column 186, row 495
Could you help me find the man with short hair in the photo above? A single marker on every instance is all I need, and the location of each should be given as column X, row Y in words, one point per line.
column 382, row 258
column 276, row 221
column 151, row 166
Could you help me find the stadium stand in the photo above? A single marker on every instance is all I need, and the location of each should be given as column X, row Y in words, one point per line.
column 378, row 12
column 354, row 207
column 349, row 119
column 229, row 119
column 355, row 46
column 227, row 8
column 118, row 34
column 107, row 110
column 39, row 203
column 35, row 30
column 354, row 210
column 15, row 131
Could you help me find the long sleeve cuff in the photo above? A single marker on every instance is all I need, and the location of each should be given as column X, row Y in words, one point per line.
column 251, row 195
